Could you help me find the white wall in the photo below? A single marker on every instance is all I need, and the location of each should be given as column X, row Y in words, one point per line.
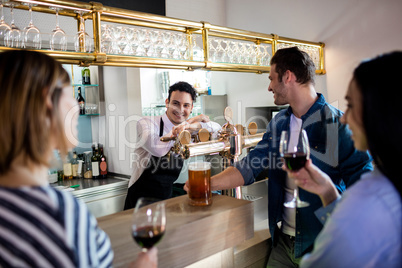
column 352, row 30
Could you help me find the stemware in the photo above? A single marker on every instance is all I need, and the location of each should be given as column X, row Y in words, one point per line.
column 5, row 29
column 15, row 34
column 32, row 35
column 149, row 222
column 82, row 41
column 58, row 39
column 106, row 39
column 295, row 152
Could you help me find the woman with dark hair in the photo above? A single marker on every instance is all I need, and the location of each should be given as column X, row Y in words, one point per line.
column 365, row 227
column 39, row 225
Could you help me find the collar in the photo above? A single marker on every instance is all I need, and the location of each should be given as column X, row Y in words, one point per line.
column 167, row 123
column 318, row 104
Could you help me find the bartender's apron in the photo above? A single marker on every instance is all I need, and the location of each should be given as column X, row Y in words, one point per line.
column 157, row 179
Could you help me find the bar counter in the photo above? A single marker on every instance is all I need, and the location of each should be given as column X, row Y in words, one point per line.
column 192, row 233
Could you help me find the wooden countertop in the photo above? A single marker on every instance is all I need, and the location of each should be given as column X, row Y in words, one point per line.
column 192, row 233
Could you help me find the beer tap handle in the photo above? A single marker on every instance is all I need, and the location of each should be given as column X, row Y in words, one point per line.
column 240, row 129
column 166, row 139
column 184, row 137
column 203, row 135
column 252, row 128
column 228, row 115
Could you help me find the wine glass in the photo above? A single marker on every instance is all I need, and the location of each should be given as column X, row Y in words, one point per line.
column 82, row 41
column 58, row 39
column 295, row 152
column 149, row 222
column 15, row 34
column 5, row 29
column 32, row 35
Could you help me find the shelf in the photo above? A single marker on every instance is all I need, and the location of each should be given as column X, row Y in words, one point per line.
column 85, row 85
column 89, row 115
column 246, row 51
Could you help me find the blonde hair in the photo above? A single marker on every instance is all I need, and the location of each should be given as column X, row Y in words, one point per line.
column 27, row 80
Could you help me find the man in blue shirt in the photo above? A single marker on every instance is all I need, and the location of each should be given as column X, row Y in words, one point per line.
column 293, row 230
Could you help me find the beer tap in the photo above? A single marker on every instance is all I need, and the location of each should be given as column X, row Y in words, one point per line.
column 229, row 144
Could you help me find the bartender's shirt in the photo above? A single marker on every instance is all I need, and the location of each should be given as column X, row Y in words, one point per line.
column 148, row 141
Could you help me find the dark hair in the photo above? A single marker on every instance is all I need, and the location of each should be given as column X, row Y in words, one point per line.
column 381, row 91
column 296, row 61
column 27, row 80
column 183, row 87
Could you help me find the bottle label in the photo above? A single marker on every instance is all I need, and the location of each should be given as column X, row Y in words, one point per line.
column 75, row 170
column 67, row 169
column 103, row 168
column 95, row 169
column 88, row 174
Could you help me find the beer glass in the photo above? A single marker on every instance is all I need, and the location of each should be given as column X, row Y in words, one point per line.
column 199, row 178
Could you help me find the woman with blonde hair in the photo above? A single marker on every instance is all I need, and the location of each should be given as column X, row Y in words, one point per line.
column 39, row 225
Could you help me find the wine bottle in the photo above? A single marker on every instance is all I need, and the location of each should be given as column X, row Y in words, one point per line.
column 67, row 169
column 86, row 76
column 74, row 165
column 95, row 162
column 81, row 101
column 103, row 162
column 87, row 165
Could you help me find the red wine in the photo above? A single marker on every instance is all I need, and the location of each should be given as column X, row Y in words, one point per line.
column 295, row 161
column 148, row 236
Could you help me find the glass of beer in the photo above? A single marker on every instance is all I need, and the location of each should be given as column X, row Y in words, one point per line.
column 199, row 178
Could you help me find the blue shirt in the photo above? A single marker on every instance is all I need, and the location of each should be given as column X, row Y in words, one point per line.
column 332, row 150
column 370, row 236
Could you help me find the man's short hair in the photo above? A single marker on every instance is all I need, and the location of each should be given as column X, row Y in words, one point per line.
column 296, row 61
column 183, row 87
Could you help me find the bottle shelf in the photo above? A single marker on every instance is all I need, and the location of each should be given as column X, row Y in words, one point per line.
column 85, row 85
column 97, row 114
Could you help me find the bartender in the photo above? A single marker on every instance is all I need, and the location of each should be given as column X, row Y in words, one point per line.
column 154, row 168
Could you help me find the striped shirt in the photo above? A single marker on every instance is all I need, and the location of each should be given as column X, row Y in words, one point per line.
column 44, row 227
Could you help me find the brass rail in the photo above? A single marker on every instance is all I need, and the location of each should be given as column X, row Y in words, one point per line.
column 98, row 14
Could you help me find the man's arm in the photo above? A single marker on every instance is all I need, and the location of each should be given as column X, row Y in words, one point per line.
column 148, row 138
column 196, row 123
column 227, row 179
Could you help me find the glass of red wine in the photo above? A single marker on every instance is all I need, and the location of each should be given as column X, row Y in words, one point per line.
column 295, row 151
column 149, row 222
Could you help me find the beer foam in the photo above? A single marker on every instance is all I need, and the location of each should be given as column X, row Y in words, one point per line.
column 199, row 166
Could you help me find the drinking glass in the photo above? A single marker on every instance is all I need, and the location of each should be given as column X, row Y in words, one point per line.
column 82, row 41
column 32, row 36
column 5, row 29
column 15, row 34
column 199, row 178
column 295, row 153
column 106, row 39
column 149, row 222
column 58, row 39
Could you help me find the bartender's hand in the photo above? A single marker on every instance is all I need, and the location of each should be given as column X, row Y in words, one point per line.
column 312, row 179
column 192, row 124
column 147, row 259
column 199, row 118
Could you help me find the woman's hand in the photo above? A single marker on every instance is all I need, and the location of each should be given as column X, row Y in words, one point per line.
column 312, row 179
column 147, row 259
